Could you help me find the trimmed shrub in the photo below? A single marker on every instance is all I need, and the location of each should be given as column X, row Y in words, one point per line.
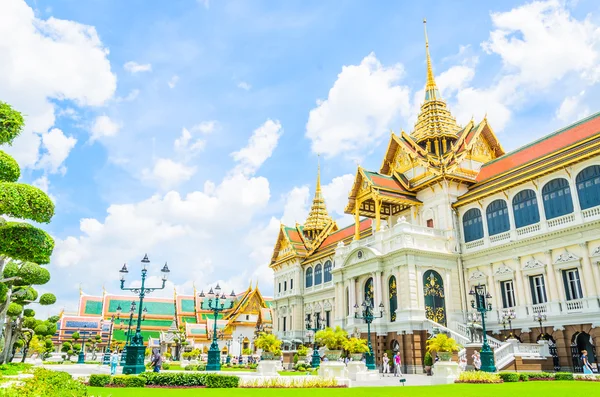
column 563, row 376
column 201, row 367
column 97, row 380
column 478, row 377
column 166, row 366
column 50, row 383
column 190, row 367
column 213, row 381
column 509, row 376
column 174, row 379
column 128, row 381
column 524, row 377
column 541, row 376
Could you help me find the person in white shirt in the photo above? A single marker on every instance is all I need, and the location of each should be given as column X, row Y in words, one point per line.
column 386, row 364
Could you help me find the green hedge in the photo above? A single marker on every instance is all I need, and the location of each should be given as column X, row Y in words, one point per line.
column 509, row 376
column 127, row 381
column 99, row 380
column 540, row 376
column 563, row 376
column 214, row 381
column 523, row 377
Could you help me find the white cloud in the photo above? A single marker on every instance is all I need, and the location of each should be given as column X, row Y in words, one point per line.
column 244, row 86
column 57, row 148
column 104, row 127
column 42, row 183
column 168, row 173
column 336, row 194
column 185, row 144
column 133, row 94
column 68, row 112
column 260, row 147
column 44, row 60
column 134, row 67
column 173, row 82
column 360, row 108
column 296, row 206
column 206, row 127
column 572, row 108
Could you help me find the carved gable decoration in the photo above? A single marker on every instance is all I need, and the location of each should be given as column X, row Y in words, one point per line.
column 533, row 265
column 566, row 258
column 317, row 307
column 477, row 275
column 402, row 161
column 481, row 151
column 503, row 271
column 308, row 308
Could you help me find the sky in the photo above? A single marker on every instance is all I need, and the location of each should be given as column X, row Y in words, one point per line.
column 190, row 129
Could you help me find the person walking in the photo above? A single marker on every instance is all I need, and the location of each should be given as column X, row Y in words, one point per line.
column 157, row 362
column 397, row 365
column 386, row 364
column 114, row 361
column 476, row 361
column 587, row 368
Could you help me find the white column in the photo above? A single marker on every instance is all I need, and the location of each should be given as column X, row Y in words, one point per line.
column 352, row 293
column 540, row 202
column 521, row 295
column 378, row 288
column 553, row 287
column 574, row 195
column 492, row 289
column 587, row 274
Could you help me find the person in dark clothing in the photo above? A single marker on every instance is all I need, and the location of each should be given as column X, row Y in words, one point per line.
column 157, row 362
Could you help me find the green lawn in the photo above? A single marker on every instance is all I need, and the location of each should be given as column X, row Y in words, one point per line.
column 529, row 389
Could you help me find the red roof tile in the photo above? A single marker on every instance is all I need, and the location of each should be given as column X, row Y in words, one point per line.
column 386, row 182
column 551, row 143
column 345, row 233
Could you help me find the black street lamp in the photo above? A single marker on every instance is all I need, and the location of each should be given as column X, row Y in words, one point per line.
column 106, row 358
column 368, row 316
column 541, row 318
column 81, row 357
column 216, row 304
column 480, row 303
column 316, row 326
column 507, row 318
column 134, row 359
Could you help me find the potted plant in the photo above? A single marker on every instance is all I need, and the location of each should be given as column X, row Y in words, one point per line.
column 443, row 346
column 334, row 340
column 428, row 362
column 270, row 345
column 356, row 347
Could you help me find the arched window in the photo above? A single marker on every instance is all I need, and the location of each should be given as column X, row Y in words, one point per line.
column 435, row 299
column 327, row 270
column 393, row 298
column 369, row 295
column 525, row 208
column 318, row 274
column 588, row 187
column 497, row 217
column 472, row 225
column 309, row 278
column 557, row 198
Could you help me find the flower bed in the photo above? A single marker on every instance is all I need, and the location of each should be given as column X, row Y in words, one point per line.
column 276, row 383
column 483, row 377
column 478, row 377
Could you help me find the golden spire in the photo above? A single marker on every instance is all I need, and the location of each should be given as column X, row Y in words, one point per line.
column 434, row 121
column 318, row 217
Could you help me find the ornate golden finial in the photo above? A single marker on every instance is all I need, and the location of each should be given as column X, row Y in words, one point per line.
column 175, row 293
column 430, row 80
column 318, row 217
column 103, row 291
column 80, row 290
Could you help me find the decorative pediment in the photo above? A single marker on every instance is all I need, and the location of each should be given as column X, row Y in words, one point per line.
column 504, row 272
column 317, row 308
column 596, row 251
column 477, row 275
column 308, row 308
column 481, row 150
column 566, row 258
column 327, row 306
column 533, row 265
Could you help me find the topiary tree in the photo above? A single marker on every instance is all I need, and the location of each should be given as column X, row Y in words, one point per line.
column 180, row 342
column 32, row 328
column 92, row 345
column 23, row 247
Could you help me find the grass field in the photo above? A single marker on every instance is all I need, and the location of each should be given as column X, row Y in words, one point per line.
column 529, row 389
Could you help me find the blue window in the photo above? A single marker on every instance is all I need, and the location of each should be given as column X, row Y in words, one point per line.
column 588, row 187
column 318, row 274
column 497, row 217
column 309, row 278
column 557, row 198
column 327, row 270
column 525, row 208
column 472, row 225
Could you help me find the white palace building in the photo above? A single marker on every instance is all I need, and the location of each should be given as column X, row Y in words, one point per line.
column 448, row 210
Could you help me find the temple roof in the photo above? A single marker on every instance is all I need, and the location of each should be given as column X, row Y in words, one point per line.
column 318, row 217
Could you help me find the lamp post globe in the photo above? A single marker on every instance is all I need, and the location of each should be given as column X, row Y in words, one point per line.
column 481, row 304
column 314, row 328
column 135, row 350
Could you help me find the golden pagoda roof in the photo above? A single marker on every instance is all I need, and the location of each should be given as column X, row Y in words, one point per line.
column 318, row 217
column 434, row 119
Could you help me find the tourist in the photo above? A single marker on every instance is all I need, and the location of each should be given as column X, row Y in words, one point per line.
column 397, row 364
column 157, row 362
column 463, row 363
column 587, row 368
column 386, row 364
column 114, row 361
column 476, row 361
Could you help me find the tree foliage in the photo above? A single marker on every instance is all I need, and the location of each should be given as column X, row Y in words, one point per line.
column 11, row 123
column 20, row 200
column 25, row 242
column 9, row 168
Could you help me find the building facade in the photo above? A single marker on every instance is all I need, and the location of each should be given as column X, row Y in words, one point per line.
column 448, row 210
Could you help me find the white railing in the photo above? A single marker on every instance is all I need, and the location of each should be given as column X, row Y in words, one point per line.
column 561, row 220
column 528, row 349
column 462, row 354
column 431, row 325
column 575, row 305
column 542, row 308
column 475, row 244
column 500, row 237
column 504, row 355
column 528, row 229
column 591, row 212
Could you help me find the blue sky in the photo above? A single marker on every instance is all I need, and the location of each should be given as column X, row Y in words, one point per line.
column 189, row 129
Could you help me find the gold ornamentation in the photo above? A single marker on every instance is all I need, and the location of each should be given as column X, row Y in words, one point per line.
column 432, row 288
column 318, row 217
column 435, row 314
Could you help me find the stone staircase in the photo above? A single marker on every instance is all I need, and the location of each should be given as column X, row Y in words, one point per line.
column 505, row 353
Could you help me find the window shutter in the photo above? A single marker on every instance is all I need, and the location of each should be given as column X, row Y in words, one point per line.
column 566, row 285
column 504, row 292
column 532, row 287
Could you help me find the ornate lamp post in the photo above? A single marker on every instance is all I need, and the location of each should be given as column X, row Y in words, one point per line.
column 216, row 304
column 368, row 316
column 316, row 326
column 134, row 359
column 81, row 357
column 124, row 352
column 541, row 318
column 507, row 318
column 106, row 358
column 228, row 344
column 240, row 340
column 480, row 303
